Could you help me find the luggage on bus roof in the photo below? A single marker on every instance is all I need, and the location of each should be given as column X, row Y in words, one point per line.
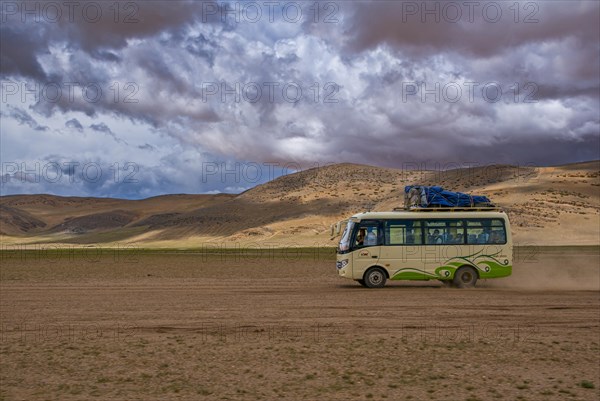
column 435, row 196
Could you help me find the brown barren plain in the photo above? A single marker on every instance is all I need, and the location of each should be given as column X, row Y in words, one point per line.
column 273, row 325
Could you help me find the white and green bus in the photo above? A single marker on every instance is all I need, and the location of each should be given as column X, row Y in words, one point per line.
column 457, row 246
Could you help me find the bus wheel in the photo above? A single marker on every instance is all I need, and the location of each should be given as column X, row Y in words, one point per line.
column 465, row 277
column 375, row 278
column 361, row 282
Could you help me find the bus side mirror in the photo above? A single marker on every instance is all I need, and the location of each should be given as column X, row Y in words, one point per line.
column 335, row 229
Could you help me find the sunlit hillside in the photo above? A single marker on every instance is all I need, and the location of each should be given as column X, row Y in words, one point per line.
column 547, row 205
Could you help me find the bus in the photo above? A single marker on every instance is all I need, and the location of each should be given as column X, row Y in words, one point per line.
column 456, row 246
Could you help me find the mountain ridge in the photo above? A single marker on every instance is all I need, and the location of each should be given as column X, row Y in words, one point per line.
column 298, row 208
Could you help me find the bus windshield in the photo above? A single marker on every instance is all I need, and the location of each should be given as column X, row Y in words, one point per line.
column 345, row 241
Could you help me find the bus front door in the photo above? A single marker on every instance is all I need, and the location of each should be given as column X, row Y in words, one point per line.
column 367, row 248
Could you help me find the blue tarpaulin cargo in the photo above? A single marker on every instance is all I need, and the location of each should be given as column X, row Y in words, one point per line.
column 434, row 196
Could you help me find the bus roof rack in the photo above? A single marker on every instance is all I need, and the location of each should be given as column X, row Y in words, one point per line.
column 449, row 209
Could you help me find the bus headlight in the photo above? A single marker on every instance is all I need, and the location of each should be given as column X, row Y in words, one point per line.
column 340, row 264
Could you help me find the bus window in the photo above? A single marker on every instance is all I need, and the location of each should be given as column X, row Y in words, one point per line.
column 367, row 235
column 486, row 231
column 433, row 232
column 403, row 232
column 372, row 236
column 444, row 232
column 497, row 232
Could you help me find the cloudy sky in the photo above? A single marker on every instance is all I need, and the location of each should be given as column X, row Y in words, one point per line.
column 135, row 99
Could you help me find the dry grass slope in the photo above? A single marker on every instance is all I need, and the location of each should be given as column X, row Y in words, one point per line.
column 547, row 205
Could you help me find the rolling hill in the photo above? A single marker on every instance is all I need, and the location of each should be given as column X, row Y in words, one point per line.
column 547, row 206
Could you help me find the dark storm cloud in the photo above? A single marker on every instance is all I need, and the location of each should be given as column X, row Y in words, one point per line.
column 152, row 73
column 146, row 146
column 94, row 27
column 103, row 128
column 202, row 47
column 23, row 118
column 74, row 123
column 563, row 36
column 136, row 20
column 149, row 74
column 160, row 67
column 522, row 149
column 20, row 48
column 480, row 29
column 105, row 55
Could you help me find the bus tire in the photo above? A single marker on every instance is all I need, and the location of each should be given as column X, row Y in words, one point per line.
column 465, row 277
column 375, row 277
column 361, row 282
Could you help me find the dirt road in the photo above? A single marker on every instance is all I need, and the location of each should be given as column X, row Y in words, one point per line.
column 272, row 326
